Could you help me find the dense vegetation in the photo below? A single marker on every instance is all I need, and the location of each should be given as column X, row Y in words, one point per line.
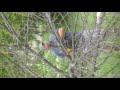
column 21, row 34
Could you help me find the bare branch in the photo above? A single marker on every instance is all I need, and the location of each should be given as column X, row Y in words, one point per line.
column 48, row 63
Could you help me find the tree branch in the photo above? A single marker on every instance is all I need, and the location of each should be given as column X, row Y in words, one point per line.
column 48, row 63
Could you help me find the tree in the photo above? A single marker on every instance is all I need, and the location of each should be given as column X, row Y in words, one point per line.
column 22, row 33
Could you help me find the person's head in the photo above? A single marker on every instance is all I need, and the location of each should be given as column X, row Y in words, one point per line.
column 45, row 46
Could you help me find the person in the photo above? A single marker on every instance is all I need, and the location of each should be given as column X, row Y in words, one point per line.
column 67, row 38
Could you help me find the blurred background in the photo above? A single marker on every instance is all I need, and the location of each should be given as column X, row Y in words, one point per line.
column 22, row 33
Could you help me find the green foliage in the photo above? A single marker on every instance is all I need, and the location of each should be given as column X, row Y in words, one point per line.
column 84, row 21
column 11, row 65
column 3, row 73
column 109, row 66
column 117, row 41
column 5, row 37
